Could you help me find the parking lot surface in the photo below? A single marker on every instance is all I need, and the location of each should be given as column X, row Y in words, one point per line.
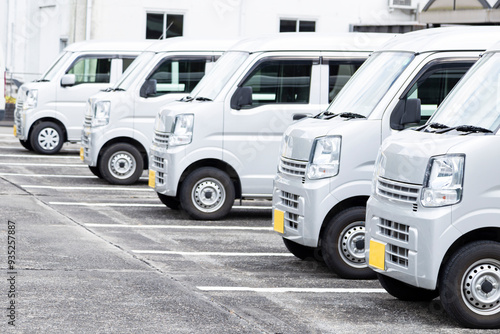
column 91, row 257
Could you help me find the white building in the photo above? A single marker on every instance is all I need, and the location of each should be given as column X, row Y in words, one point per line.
column 33, row 32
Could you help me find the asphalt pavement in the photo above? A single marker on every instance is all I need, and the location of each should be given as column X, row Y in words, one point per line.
column 78, row 255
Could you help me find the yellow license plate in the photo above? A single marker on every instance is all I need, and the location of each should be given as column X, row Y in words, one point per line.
column 377, row 254
column 279, row 221
column 81, row 153
column 15, row 130
column 152, row 178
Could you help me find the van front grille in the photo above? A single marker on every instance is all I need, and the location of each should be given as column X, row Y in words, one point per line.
column 293, row 167
column 160, row 139
column 398, row 191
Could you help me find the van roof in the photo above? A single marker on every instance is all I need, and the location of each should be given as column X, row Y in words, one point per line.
column 106, row 45
column 445, row 39
column 495, row 47
column 191, row 44
column 313, row 42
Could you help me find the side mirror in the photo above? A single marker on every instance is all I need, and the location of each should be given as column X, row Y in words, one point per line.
column 242, row 97
column 407, row 111
column 68, row 80
column 148, row 88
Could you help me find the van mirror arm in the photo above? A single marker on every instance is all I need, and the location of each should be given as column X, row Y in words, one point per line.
column 242, row 97
column 148, row 88
column 407, row 111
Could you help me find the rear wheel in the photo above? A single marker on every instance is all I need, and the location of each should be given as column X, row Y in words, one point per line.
column 171, row 202
column 121, row 163
column 47, row 138
column 404, row 291
column 207, row 193
column 343, row 244
column 470, row 285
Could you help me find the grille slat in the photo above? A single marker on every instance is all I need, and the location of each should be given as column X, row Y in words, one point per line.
column 293, row 167
column 158, row 162
column 88, row 121
column 161, row 139
column 397, row 255
column 290, row 200
column 397, row 191
column 394, row 230
column 292, row 220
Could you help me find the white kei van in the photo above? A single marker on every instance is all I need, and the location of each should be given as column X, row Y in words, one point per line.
column 433, row 218
column 326, row 163
column 118, row 126
column 50, row 111
column 222, row 142
column 2, row 85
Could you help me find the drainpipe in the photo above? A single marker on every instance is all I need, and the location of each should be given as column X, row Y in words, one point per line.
column 89, row 20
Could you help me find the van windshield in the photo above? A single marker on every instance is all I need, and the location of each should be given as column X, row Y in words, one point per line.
column 56, row 66
column 475, row 101
column 213, row 83
column 135, row 69
column 370, row 83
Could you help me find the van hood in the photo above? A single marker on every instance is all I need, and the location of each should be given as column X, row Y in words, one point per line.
column 166, row 116
column 404, row 156
column 299, row 137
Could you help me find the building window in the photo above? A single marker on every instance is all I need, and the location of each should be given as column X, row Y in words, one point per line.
column 287, row 25
column 163, row 25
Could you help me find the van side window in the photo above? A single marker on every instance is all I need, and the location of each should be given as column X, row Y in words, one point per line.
column 91, row 70
column 340, row 73
column 434, row 83
column 178, row 76
column 280, row 81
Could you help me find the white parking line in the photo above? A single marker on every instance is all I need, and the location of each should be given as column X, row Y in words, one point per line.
column 283, row 290
column 146, row 205
column 182, row 227
column 88, row 188
column 210, row 253
column 47, row 175
column 40, row 165
column 38, row 156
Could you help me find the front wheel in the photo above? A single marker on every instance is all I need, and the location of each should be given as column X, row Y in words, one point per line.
column 121, row 163
column 300, row 251
column 26, row 144
column 95, row 170
column 406, row 292
column 46, row 138
column 470, row 285
column 343, row 244
column 169, row 201
column 207, row 193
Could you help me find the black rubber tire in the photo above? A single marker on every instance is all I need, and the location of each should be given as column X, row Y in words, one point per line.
column 213, row 180
column 26, row 144
column 351, row 262
column 406, row 292
column 95, row 170
column 121, row 155
column 171, row 202
column 52, row 132
column 473, row 266
column 300, row 251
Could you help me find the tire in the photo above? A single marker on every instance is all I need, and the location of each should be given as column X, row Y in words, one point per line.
column 207, row 194
column 300, row 251
column 406, row 292
column 171, row 202
column 26, row 144
column 121, row 163
column 95, row 170
column 46, row 138
column 470, row 285
column 343, row 244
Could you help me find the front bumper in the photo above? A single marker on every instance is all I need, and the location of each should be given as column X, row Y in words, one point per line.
column 19, row 123
column 92, row 141
column 165, row 169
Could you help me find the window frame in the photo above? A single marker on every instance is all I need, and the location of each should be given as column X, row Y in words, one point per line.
column 297, row 24
column 92, row 56
column 164, row 23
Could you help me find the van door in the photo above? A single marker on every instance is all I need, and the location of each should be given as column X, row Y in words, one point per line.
column 92, row 74
column 175, row 77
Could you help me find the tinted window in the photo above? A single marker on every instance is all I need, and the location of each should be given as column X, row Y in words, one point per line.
column 91, row 70
column 178, row 76
column 340, row 73
column 284, row 81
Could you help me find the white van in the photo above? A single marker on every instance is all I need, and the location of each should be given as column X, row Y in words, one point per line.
column 433, row 218
column 49, row 111
column 118, row 126
column 326, row 163
column 222, row 142
column 2, row 85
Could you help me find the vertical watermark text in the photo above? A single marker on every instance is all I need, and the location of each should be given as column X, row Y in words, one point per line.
column 11, row 273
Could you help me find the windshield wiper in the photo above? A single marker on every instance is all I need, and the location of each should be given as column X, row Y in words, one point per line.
column 472, row 128
column 203, row 99
column 351, row 115
column 187, row 98
column 438, row 126
column 325, row 115
column 42, row 80
column 118, row 89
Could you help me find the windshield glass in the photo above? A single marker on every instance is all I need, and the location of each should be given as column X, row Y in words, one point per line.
column 212, row 83
column 475, row 101
column 370, row 83
column 51, row 72
column 134, row 70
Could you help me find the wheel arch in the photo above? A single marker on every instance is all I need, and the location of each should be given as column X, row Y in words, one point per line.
column 345, row 204
column 223, row 166
column 127, row 140
column 49, row 119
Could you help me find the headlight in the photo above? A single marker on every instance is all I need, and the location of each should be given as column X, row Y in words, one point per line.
column 443, row 180
column 182, row 132
column 31, row 99
column 325, row 158
column 101, row 113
